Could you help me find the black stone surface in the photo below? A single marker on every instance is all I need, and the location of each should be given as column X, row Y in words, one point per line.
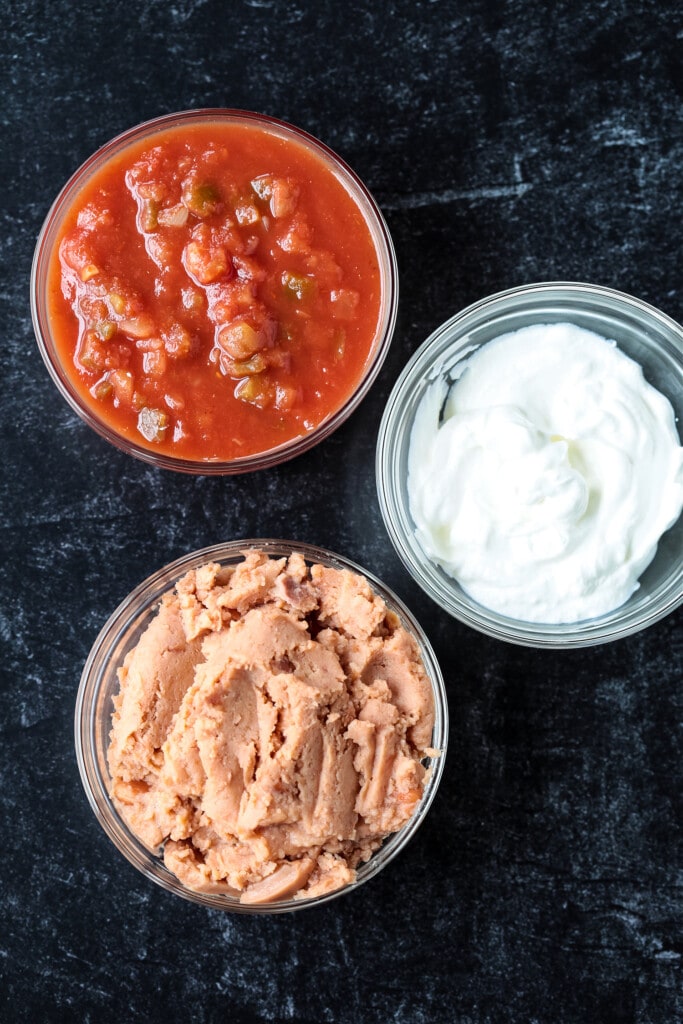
column 506, row 142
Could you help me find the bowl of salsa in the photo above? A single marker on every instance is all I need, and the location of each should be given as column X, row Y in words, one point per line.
column 214, row 291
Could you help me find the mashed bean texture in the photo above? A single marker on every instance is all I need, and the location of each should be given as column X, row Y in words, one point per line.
column 269, row 728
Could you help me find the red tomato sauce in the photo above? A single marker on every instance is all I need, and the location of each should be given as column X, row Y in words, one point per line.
column 216, row 290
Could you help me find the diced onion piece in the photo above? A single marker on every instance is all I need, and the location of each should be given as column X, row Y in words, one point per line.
column 240, row 340
column 89, row 271
column 152, row 424
column 244, row 294
column 174, row 402
column 141, row 326
column 263, row 186
column 154, row 363
column 173, row 216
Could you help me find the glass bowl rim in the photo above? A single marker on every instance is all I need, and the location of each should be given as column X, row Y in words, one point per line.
column 450, row 339
column 141, row 604
column 382, row 243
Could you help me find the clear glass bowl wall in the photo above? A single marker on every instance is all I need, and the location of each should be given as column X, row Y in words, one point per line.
column 353, row 185
column 648, row 336
column 99, row 684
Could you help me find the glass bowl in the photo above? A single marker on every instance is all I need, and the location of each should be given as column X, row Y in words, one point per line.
column 99, row 684
column 642, row 332
column 61, row 368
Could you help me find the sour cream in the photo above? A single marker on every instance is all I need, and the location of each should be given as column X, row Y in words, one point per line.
column 542, row 478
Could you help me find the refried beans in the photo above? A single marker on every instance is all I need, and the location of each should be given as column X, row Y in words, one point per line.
column 270, row 727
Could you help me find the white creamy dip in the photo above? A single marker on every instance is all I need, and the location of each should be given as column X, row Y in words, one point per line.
column 544, row 476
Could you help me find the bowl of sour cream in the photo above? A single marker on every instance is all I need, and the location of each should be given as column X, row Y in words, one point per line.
column 530, row 468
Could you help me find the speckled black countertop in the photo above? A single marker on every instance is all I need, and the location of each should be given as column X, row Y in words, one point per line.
column 506, row 143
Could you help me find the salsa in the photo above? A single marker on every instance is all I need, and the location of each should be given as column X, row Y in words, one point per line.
column 216, row 290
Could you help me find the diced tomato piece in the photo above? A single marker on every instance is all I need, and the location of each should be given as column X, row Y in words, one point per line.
column 92, row 308
column 141, row 326
column 297, row 239
column 204, row 263
column 154, row 363
column 286, row 396
column 324, row 267
column 123, row 385
column 92, row 217
column 344, row 303
column 123, row 302
column 278, row 359
column 76, row 250
column 178, row 341
column 92, row 354
column 240, row 340
column 160, row 249
column 151, row 191
column 283, row 197
column 249, row 269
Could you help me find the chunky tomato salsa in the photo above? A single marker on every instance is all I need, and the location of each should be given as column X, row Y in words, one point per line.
column 216, row 290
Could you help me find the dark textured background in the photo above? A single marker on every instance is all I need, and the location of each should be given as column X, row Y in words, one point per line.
column 506, row 141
